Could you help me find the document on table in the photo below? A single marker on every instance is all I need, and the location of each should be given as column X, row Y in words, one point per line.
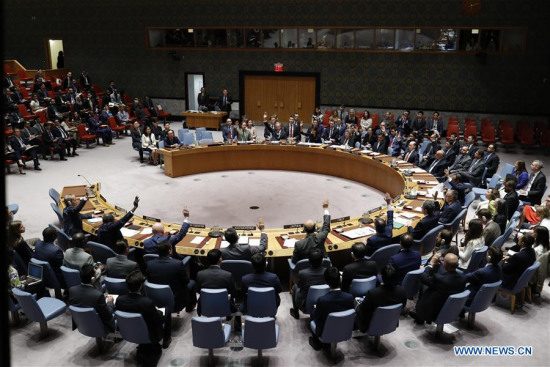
column 224, row 244
column 197, row 240
column 128, row 232
column 95, row 220
column 148, row 230
column 243, row 240
column 359, row 232
column 290, row 242
column 254, row 242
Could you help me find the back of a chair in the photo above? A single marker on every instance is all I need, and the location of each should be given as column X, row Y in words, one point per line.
column 525, row 277
column 427, row 243
column 384, row 320
column 360, row 287
column 88, row 321
column 383, row 254
column 161, row 144
column 198, row 132
column 207, row 332
column 493, row 183
column 49, row 279
column 455, row 224
column 63, row 239
column 215, row 302
column 57, row 212
column 411, row 282
column 468, row 199
column 132, row 327
column 115, row 285
column 100, row 252
column 452, row 307
column 54, row 195
column 484, row 297
column 206, row 135
column 476, row 259
column 188, row 139
column 181, row 132
column 338, row 326
column 260, row 333
column 161, row 294
column 261, row 302
column 149, row 257
column 29, row 305
column 238, row 268
column 71, row 276
column 315, row 291
column 499, row 241
column 205, row 141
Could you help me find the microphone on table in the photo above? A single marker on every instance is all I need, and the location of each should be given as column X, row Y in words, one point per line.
column 89, row 190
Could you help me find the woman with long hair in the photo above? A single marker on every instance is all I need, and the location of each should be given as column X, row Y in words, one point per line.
column 521, row 174
column 366, row 121
column 17, row 243
column 149, row 144
column 542, row 240
column 473, row 240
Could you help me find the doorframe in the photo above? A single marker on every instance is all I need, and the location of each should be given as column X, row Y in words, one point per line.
column 244, row 73
column 48, row 65
column 185, row 75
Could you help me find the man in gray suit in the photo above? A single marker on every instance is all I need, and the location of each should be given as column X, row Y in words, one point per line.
column 474, row 173
column 462, row 161
column 313, row 240
column 75, row 256
column 236, row 251
column 491, row 229
column 119, row 266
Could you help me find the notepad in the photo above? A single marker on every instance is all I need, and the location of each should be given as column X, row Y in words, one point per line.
column 359, row 232
column 197, row 240
column 290, row 242
column 254, row 242
column 95, row 220
column 128, row 232
column 147, row 230
column 224, row 244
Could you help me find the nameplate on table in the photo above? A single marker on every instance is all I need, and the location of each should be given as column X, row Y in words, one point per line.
column 197, row 225
column 342, row 219
column 396, row 198
column 121, row 209
column 244, row 228
column 102, row 198
column 152, row 219
column 373, row 210
column 299, row 225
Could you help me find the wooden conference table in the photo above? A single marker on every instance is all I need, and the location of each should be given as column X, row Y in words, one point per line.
column 210, row 120
column 359, row 166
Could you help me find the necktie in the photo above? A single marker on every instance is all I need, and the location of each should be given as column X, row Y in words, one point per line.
column 330, row 136
column 63, row 133
column 291, row 130
column 487, row 157
column 473, row 166
column 528, row 187
column 230, row 133
column 407, row 156
column 21, row 142
column 433, row 165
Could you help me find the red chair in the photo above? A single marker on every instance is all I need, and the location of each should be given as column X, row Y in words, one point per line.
column 488, row 136
column 507, row 136
column 84, row 136
column 115, row 127
column 23, row 76
column 471, row 130
column 42, row 115
column 545, row 138
column 24, row 92
column 375, row 117
column 162, row 113
column 469, row 119
column 527, row 137
column 98, row 92
column 146, row 110
column 127, row 100
column 23, row 111
column 452, row 129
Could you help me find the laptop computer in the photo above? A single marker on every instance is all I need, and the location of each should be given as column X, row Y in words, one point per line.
column 36, row 273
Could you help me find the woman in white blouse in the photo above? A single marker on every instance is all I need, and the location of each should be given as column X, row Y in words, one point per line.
column 542, row 244
column 149, row 144
column 474, row 240
column 366, row 121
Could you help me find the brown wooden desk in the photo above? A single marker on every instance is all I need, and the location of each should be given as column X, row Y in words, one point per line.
column 210, row 120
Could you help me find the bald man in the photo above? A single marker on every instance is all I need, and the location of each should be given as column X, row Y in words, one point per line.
column 151, row 244
column 438, row 287
column 313, row 240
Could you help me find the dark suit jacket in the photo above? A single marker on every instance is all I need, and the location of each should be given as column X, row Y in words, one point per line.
column 136, row 303
column 109, row 233
column 438, row 169
column 378, row 297
column 405, row 261
column 424, row 226
column 516, row 265
column 136, row 138
column 203, row 99
column 334, row 301
column 450, row 155
column 47, row 251
column 489, row 274
column 85, row 295
column 449, row 212
column 119, row 266
column 243, row 252
column 215, row 278
column 432, row 122
column 261, row 280
column 491, row 161
column 413, row 157
column 72, row 219
column 460, row 189
column 536, row 192
column 225, row 132
column 150, row 245
column 512, row 201
column 168, row 271
column 359, row 269
column 296, row 132
column 395, row 144
column 380, row 240
column 419, row 125
column 335, row 135
column 226, row 107
column 380, row 146
column 303, row 247
column 307, row 278
column 474, row 172
column 439, row 288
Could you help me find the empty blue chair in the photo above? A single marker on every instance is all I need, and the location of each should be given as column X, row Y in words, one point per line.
column 300, row 265
column 206, row 141
column 522, row 282
column 360, row 287
column 57, row 212
column 423, row 148
column 482, row 300
column 161, row 294
column 468, row 199
column 132, row 327
column 55, row 196
column 14, row 310
column 198, row 132
column 455, row 224
column 209, row 333
column 72, row 276
column 215, row 303
column 41, row 311
column 49, row 278
column 100, row 252
column 188, row 139
column 260, row 333
column 383, row 254
column 506, row 170
column 384, row 321
column 238, row 268
column 411, row 282
column 89, row 323
column 426, row 244
column 181, row 132
column 206, row 135
column 476, row 260
column 115, row 285
column 63, row 239
column 313, row 294
column 338, row 328
column 450, row 310
column 261, row 302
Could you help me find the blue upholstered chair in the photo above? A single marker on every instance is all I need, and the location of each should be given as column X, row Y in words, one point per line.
column 209, row 333
column 41, row 311
column 260, row 333
column 482, row 300
column 338, row 328
column 450, row 310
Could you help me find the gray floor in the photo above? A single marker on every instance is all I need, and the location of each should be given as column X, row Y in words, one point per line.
column 122, row 177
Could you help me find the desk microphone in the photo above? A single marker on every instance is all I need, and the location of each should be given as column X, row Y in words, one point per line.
column 89, row 188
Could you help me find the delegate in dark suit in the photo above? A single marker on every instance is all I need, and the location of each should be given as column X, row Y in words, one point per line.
column 536, row 191
column 489, row 274
column 424, row 226
column 119, row 266
column 516, row 265
column 171, row 272
column 72, row 219
column 381, row 239
column 411, row 157
column 293, row 131
column 303, row 247
column 334, row 301
column 449, row 211
column 150, row 245
column 306, row 278
column 378, row 297
column 511, row 202
column 243, row 252
column 109, row 233
column 85, row 295
column 359, row 269
column 474, row 173
column 229, row 132
column 136, row 303
column 215, row 278
column 262, row 280
column 405, row 261
column 47, row 251
column 491, row 162
column 381, row 146
column 436, row 167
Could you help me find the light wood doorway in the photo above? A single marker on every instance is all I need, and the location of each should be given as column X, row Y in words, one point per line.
column 279, row 93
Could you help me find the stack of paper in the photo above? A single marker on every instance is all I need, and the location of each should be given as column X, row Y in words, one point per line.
column 359, row 232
